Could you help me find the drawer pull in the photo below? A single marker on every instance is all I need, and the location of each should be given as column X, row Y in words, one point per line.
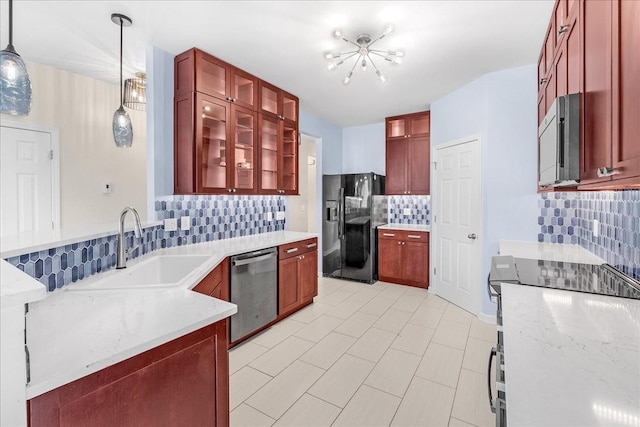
column 414, row 236
column 312, row 245
column 292, row 250
column 388, row 234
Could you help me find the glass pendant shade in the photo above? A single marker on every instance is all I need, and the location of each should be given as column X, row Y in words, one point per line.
column 15, row 84
column 122, row 129
column 135, row 93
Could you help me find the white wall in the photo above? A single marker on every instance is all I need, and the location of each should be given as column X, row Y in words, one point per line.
column 82, row 109
column 500, row 107
column 363, row 149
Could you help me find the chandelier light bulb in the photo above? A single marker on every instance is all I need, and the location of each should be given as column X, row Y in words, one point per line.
column 363, row 54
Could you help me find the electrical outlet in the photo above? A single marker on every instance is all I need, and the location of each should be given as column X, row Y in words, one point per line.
column 596, row 228
column 406, row 211
column 185, row 224
column 269, row 216
column 170, row 224
column 279, row 216
column 106, row 188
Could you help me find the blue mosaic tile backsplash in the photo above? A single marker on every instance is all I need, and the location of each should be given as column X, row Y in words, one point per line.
column 420, row 209
column 211, row 218
column 568, row 218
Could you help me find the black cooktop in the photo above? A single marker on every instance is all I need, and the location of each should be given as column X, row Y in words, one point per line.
column 595, row 279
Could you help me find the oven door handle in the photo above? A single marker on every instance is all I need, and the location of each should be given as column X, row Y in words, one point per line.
column 492, row 404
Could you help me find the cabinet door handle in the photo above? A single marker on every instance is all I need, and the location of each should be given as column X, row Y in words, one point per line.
column 414, row 236
column 292, row 250
column 563, row 29
column 312, row 245
column 388, row 234
column 491, row 402
column 543, row 80
column 605, row 172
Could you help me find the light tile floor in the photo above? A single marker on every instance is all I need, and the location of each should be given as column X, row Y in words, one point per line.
column 365, row 355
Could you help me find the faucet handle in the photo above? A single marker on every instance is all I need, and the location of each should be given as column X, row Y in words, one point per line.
column 131, row 249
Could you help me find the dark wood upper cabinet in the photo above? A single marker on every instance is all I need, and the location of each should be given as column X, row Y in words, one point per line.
column 595, row 53
column 220, row 143
column 197, row 71
column 408, row 154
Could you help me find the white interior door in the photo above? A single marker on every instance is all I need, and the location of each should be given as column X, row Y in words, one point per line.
column 26, row 199
column 458, row 223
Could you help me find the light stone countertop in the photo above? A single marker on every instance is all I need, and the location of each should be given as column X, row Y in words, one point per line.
column 571, row 359
column 17, row 287
column 405, row 227
column 77, row 331
column 563, row 252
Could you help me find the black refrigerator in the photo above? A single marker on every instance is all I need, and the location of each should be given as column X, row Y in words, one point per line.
column 348, row 229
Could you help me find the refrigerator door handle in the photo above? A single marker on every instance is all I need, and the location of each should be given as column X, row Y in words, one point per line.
column 341, row 213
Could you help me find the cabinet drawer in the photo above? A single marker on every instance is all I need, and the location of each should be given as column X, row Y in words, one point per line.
column 297, row 248
column 411, row 236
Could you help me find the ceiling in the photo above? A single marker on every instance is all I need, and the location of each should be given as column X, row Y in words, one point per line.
column 446, row 43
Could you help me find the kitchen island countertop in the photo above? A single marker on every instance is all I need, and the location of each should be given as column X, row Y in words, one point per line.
column 77, row 330
column 405, row 227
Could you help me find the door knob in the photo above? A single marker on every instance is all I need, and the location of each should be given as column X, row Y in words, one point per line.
column 472, row 236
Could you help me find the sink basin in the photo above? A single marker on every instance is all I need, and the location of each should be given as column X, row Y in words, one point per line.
column 159, row 271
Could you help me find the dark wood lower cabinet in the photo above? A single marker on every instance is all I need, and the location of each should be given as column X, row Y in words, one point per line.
column 403, row 257
column 297, row 276
column 184, row 382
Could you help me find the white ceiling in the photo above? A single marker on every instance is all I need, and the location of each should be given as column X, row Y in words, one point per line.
column 446, row 43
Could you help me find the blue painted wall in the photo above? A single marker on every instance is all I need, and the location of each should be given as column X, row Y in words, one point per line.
column 363, row 149
column 501, row 108
column 331, row 135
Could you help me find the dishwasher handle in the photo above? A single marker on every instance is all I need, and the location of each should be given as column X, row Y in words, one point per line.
column 492, row 403
column 245, row 261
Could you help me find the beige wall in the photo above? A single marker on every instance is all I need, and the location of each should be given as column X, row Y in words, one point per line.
column 82, row 108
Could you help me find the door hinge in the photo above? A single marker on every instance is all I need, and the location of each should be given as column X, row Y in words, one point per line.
column 435, row 165
column 50, row 154
column 434, row 271
column 53, row 225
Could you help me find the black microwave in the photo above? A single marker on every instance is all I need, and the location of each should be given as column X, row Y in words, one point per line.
column 559, row 143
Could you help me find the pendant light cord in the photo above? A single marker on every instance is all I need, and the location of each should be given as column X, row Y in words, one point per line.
column 121, row 88
column 10, row 46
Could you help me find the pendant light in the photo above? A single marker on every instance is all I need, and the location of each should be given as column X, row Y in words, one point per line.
column 135, row 92
column 15, row 85
column 122, row 129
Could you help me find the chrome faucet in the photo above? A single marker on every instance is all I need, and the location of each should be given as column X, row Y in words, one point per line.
column 122, row 252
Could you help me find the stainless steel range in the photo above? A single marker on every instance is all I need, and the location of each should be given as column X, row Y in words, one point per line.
column 589, row 278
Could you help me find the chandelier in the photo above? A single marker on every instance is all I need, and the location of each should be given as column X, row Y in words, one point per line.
column 363, row 53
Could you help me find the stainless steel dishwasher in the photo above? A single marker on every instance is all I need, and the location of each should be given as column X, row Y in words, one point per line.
column 254, row 289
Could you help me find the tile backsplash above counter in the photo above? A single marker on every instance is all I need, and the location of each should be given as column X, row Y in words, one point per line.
column 606, row 223
column 211, row 218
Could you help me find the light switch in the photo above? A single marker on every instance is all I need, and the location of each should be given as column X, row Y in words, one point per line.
column 170, row 224
column 596, row 228
column 406, row 211
column 279, row 215
column 269, row 216
column 185, row 224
